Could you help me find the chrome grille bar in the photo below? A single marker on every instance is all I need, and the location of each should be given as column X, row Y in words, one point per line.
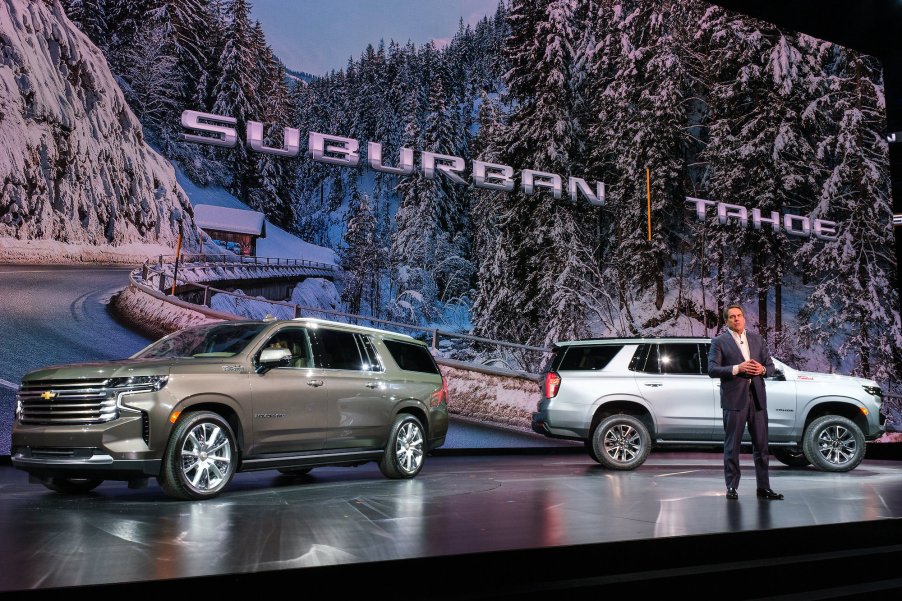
column 67, row 402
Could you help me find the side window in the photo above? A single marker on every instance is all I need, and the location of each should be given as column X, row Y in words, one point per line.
column 368, row 351
column 336, row 349
column 588, row 357
column 295, row 340
column 645, row 359
column 680, row 358
column 703, row 350
column 411, row 357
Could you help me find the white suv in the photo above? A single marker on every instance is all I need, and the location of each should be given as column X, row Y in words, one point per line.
column 624, row 396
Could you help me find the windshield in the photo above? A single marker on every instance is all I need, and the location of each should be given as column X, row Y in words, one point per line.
column 210, row 340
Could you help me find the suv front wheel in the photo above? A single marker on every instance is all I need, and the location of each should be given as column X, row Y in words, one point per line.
column 200, row 458
column 621, row 442
column 834, row 443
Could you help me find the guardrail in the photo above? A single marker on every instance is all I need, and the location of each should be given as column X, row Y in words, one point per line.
column 493, row 356
column 167, row 265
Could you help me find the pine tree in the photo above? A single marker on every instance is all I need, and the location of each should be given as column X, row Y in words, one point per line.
column 154, row 86
column 413, row 241
column 269, row 192
column 638, row 55
column 90, row 17
column 363, row 258
column 759, row 154
column 235, row 92
column 852, row 307
column 546, row 281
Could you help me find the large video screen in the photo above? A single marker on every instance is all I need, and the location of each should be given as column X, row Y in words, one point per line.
column 491, row 176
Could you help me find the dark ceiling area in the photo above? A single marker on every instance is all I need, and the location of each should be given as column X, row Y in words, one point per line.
column 870, row 26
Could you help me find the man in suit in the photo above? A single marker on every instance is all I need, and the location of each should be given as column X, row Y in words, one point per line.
column 741, row 360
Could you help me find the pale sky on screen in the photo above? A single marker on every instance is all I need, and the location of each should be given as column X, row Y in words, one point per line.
column 318, row 36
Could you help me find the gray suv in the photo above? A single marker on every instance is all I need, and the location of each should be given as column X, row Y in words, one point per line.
column 623, row 397
column 203, row 403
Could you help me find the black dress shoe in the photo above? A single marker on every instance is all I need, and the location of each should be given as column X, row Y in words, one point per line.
column 766, row 493
column 732, row 494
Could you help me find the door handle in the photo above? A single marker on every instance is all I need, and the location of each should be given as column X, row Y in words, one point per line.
column 372, row 384
column 315, row 383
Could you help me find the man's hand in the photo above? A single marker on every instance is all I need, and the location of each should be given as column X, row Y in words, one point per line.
column 751, row 367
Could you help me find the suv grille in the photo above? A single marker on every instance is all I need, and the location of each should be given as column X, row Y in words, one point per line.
column 67, row 402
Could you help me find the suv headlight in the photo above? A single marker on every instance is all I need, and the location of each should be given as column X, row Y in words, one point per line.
column 138, row 383
column 18, row 408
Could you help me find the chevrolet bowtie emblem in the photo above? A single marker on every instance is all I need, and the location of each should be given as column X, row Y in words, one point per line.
column 48, row 395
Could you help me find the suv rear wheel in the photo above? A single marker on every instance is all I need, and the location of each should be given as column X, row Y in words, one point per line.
column 621, row 442
column 200, row 458
column 834, row 443
column 403, row 457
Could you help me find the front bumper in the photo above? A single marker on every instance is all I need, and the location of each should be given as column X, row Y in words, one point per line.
column 114, row 450
column 81, row 462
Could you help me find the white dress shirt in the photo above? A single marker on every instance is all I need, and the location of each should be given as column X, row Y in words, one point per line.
column 743, row 343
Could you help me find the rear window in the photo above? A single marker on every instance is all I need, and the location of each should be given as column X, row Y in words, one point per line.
column 412, row 357
column 585, row 358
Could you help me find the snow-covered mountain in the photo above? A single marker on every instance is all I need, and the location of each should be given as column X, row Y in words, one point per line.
column 79, row 180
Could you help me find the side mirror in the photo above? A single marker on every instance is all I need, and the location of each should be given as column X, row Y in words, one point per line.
column 779, row 376
column 273, row 357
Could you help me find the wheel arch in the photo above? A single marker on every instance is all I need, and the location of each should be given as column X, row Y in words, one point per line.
column 412, row 407
column 841, row 406
column 222, row 408
column 628, row 407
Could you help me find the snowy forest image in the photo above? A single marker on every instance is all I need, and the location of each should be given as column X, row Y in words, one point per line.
column 659, row 100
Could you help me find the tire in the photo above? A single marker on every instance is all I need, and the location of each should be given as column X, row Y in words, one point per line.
column 621, row 442
column 405, row 450
column 590, row 446
column 295, row 471
column 71, row 486
column 793, row 457
column 200, row 458
column 834, row 444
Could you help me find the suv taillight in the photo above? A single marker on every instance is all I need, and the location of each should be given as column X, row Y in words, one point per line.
column 440, row 397
column 552, row 383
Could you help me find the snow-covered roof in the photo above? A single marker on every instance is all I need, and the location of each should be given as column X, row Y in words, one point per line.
column 225, row 219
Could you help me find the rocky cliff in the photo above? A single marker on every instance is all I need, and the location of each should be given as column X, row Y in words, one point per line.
column 78, row 182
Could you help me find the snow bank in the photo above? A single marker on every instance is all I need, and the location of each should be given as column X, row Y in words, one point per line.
column 153, row 316
column 49, row 252
column 502, row 400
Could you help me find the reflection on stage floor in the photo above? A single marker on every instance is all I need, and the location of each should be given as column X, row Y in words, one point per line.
column 460, row 505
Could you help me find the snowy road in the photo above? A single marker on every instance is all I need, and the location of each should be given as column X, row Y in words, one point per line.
column 56, row 314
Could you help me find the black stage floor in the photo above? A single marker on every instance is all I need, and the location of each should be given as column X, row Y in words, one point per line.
column 546, row 523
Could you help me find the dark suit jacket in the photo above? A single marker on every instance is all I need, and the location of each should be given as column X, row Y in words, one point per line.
column 724, row 354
